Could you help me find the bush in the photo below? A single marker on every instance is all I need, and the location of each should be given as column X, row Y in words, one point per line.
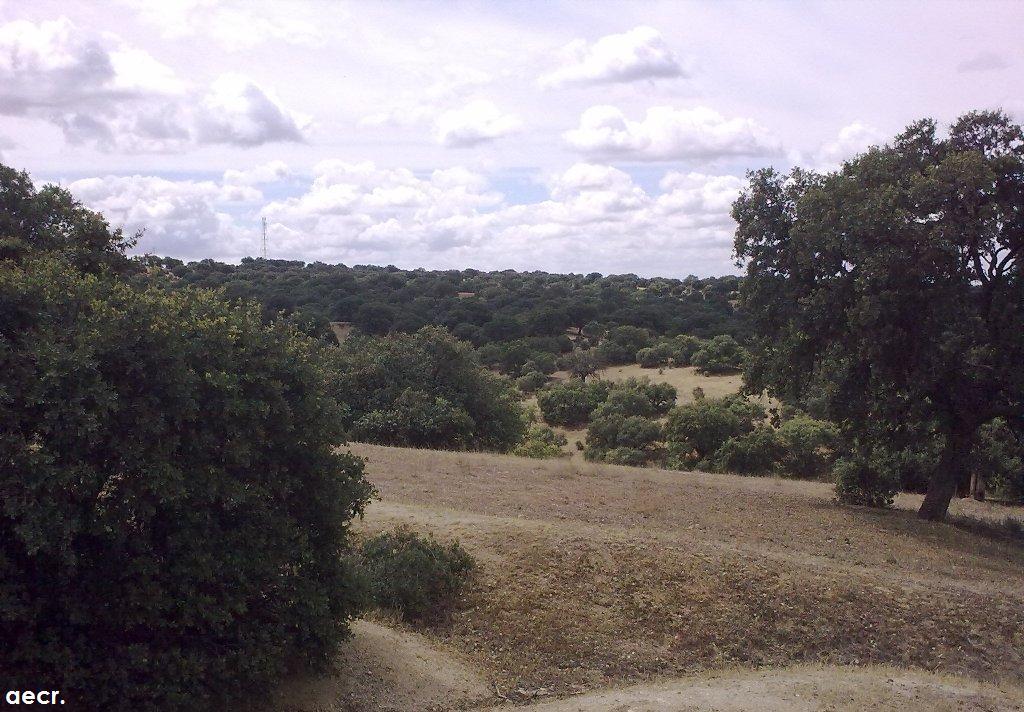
column 416, row 419
column 426, row 389
column 542, row 442
column 808, row 447
column 571, row 402
column 999, row 460
column 649, row 358
column 703, row 426
column 860, row 480
column 531, row 382
column 174, row 513
column 611, row 432
column 682, row 349
column 626, row 456
column 417, row 576
column 755, row 453
column 720, row 355
column 680, row 456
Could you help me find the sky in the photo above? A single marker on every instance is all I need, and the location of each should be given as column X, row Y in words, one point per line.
column 559, row 136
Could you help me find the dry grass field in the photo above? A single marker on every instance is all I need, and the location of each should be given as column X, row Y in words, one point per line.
column 597, row 578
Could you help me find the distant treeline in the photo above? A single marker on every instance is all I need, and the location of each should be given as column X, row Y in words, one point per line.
column 479, row 307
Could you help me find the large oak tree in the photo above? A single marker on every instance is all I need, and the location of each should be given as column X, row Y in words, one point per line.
column 889, row 291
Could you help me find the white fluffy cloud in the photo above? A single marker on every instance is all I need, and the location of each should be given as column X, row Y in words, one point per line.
column 183, row 218
column 100, row 90
column 476, row 122
column 237, row 111
column 667, row 133
column 851, row 140
column 595, row 218
column 234, row 24
column 53, row 69
column 269, row 172
column 640, row 53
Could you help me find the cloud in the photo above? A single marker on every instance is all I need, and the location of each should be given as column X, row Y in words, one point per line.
column 852, row 139
column 269, row 172
column 183, row 218
column 983, row 62
column 595, row 218
column 476, row 122
column 235, row 25
column 102, row 91
column 237, row 111
column 52, row 66
column 667, row 134
column 640, row 53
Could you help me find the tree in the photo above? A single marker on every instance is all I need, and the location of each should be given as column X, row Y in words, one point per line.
column 722, row 354
column 50, row 220
column 891, row 289
column 571, row 402
column 175, row 515
column 425, row 389
column 704, row 425
column 581, row 363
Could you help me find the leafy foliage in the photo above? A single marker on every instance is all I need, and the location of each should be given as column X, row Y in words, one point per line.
column 174, row 512
column 891, row 292
column 531, row 309
column 703, row 426
column 425, row 390
column 541, row 442
column 719, row 355
column 415, row 575
column 570, row 403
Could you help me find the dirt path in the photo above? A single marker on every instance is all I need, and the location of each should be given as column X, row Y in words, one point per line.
column 384, row 669
column 836, row 689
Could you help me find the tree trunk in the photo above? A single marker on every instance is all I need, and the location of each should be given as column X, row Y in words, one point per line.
column 978, row 486
column 952, row 470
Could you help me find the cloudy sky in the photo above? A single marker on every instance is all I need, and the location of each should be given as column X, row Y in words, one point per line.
column 570, row 137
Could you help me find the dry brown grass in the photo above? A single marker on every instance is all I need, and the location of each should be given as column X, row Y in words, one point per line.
column 595, row 575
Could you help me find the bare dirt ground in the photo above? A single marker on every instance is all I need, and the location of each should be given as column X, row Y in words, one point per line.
column 595, row 579
column 386, row 669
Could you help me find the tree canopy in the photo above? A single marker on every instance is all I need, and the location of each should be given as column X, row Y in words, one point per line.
column 889, row 292
column 175, row 515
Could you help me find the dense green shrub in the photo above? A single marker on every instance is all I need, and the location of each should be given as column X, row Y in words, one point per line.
column 612, row 432
column 626, row 456
column 571, row 402
column 808, row 447
column 415, row 575
column 532, row 381
column 861, row 480
column 999, row 460
column 680, row 455
column 721, row 354
column 755, row 453
column 416, row 419
column 703, row 426
column 649, row 358
column 426, row 389
column 660, row 354
column 542, row 442
column 174, row 514
column 682, row 349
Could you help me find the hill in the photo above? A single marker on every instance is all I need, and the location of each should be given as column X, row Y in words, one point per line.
column 597, row 577
column 480, row 307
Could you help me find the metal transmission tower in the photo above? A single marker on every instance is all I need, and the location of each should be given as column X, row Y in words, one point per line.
column 264, row 238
